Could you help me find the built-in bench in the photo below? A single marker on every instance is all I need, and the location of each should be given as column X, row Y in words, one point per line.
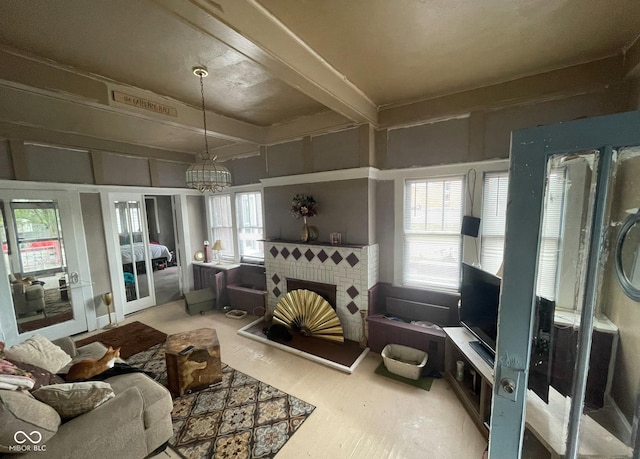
column 247, row 289
column 393, row 309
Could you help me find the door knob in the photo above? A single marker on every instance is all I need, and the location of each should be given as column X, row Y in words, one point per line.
column 508, row 385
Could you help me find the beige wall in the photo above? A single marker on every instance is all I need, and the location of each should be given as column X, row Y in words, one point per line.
column 248, row 170
column 168, row 174
column 343, row 207
column 96, row 248
column 385, row 224
column 197, row 223
column 6, row 166
column 165, row 233
column 443, row 142
column 22, row 160
column 622, row 311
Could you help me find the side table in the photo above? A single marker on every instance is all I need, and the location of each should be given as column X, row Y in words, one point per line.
column 193, row 360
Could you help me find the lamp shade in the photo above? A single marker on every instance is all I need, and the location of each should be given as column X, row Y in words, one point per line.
column 217, row 245
column 207, row 175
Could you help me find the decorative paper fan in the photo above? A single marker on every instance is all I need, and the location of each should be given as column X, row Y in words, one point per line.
column 310, row 314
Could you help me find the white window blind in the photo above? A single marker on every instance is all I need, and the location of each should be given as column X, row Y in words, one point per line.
column 432, row 240
column 250, row 233
column 494, row 214
column 222, row 224
column 494, row 210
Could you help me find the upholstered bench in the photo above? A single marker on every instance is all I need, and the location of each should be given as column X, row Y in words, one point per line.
column 247, row 289
column 411, row 317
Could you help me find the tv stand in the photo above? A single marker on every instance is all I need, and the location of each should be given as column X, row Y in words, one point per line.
column 545, row 423
column 482, row 352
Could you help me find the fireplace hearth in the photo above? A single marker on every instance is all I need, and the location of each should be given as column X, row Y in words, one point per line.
column 349, row 271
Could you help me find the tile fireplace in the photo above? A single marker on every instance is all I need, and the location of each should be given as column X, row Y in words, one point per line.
column 351, row 269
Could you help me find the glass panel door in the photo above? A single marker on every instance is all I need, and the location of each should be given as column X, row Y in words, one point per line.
column 41, row 259
column 134, row 263
column 568, row 330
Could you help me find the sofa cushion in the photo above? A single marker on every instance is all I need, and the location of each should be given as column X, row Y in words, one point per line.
column 157, row 400
column 39, row 351
column 19, row 411
column 73, row 399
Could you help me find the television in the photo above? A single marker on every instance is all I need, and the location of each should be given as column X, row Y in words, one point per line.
column 479, row 301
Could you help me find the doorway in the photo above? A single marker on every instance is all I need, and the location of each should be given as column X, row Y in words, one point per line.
column 588, row 353
column 162, row 240
column 43, row 259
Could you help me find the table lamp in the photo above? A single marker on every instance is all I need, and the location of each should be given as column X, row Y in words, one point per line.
column 217, row 246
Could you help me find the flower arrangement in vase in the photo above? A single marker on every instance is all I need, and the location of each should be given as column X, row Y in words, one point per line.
column 304, row 206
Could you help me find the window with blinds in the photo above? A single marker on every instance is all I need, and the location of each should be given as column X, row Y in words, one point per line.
column 432, row 241
column 222, row 224
column 494, row 214
column 494, row 211
column 250, row 234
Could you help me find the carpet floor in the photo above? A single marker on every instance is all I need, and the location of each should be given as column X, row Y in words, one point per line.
column 240, row 417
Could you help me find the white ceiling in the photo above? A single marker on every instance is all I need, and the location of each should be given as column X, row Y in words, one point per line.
column 278, row 69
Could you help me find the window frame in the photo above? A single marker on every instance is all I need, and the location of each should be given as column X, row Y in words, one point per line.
column 555, row 238
column 414, row 234
column 398, row 176
column 232, row 193
column 239, row 210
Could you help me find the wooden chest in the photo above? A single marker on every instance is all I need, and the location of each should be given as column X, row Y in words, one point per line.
column 193, row 360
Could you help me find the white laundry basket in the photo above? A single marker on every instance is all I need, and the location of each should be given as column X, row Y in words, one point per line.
column 403, row 360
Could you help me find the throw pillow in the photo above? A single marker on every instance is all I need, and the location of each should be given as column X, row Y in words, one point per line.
column 19, row 411
column 39, row 351
column 41, row 376
column 73, row 399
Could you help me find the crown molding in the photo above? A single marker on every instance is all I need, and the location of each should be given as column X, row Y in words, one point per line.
column 370, row 173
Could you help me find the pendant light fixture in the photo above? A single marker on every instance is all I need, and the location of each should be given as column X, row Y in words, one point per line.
column 205, row 174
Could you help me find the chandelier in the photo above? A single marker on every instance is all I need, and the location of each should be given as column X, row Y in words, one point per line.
column 205, row 174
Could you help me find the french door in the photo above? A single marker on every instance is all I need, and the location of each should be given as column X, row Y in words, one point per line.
column 128, row 245
column 45, row 259
column 593, row 329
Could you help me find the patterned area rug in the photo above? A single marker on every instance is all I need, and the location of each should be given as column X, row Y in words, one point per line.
column 239, row 417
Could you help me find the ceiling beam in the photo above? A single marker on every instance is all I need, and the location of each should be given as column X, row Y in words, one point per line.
column 250, row 29
column 237, row 150
column 36, row 76
column 297, row 128
column 558, row 83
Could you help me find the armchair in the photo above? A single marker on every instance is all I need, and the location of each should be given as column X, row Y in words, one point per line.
column 27, row 299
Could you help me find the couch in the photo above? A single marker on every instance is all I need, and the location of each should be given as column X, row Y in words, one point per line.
column 247, row 289
column 27, row 299
column 402, row 315
column 135, row 423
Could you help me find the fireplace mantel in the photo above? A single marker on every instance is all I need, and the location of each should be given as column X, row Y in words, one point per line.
column 313, row 243
column 353, row 269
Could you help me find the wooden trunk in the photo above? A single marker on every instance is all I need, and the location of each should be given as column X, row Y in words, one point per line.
column 197, row 368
